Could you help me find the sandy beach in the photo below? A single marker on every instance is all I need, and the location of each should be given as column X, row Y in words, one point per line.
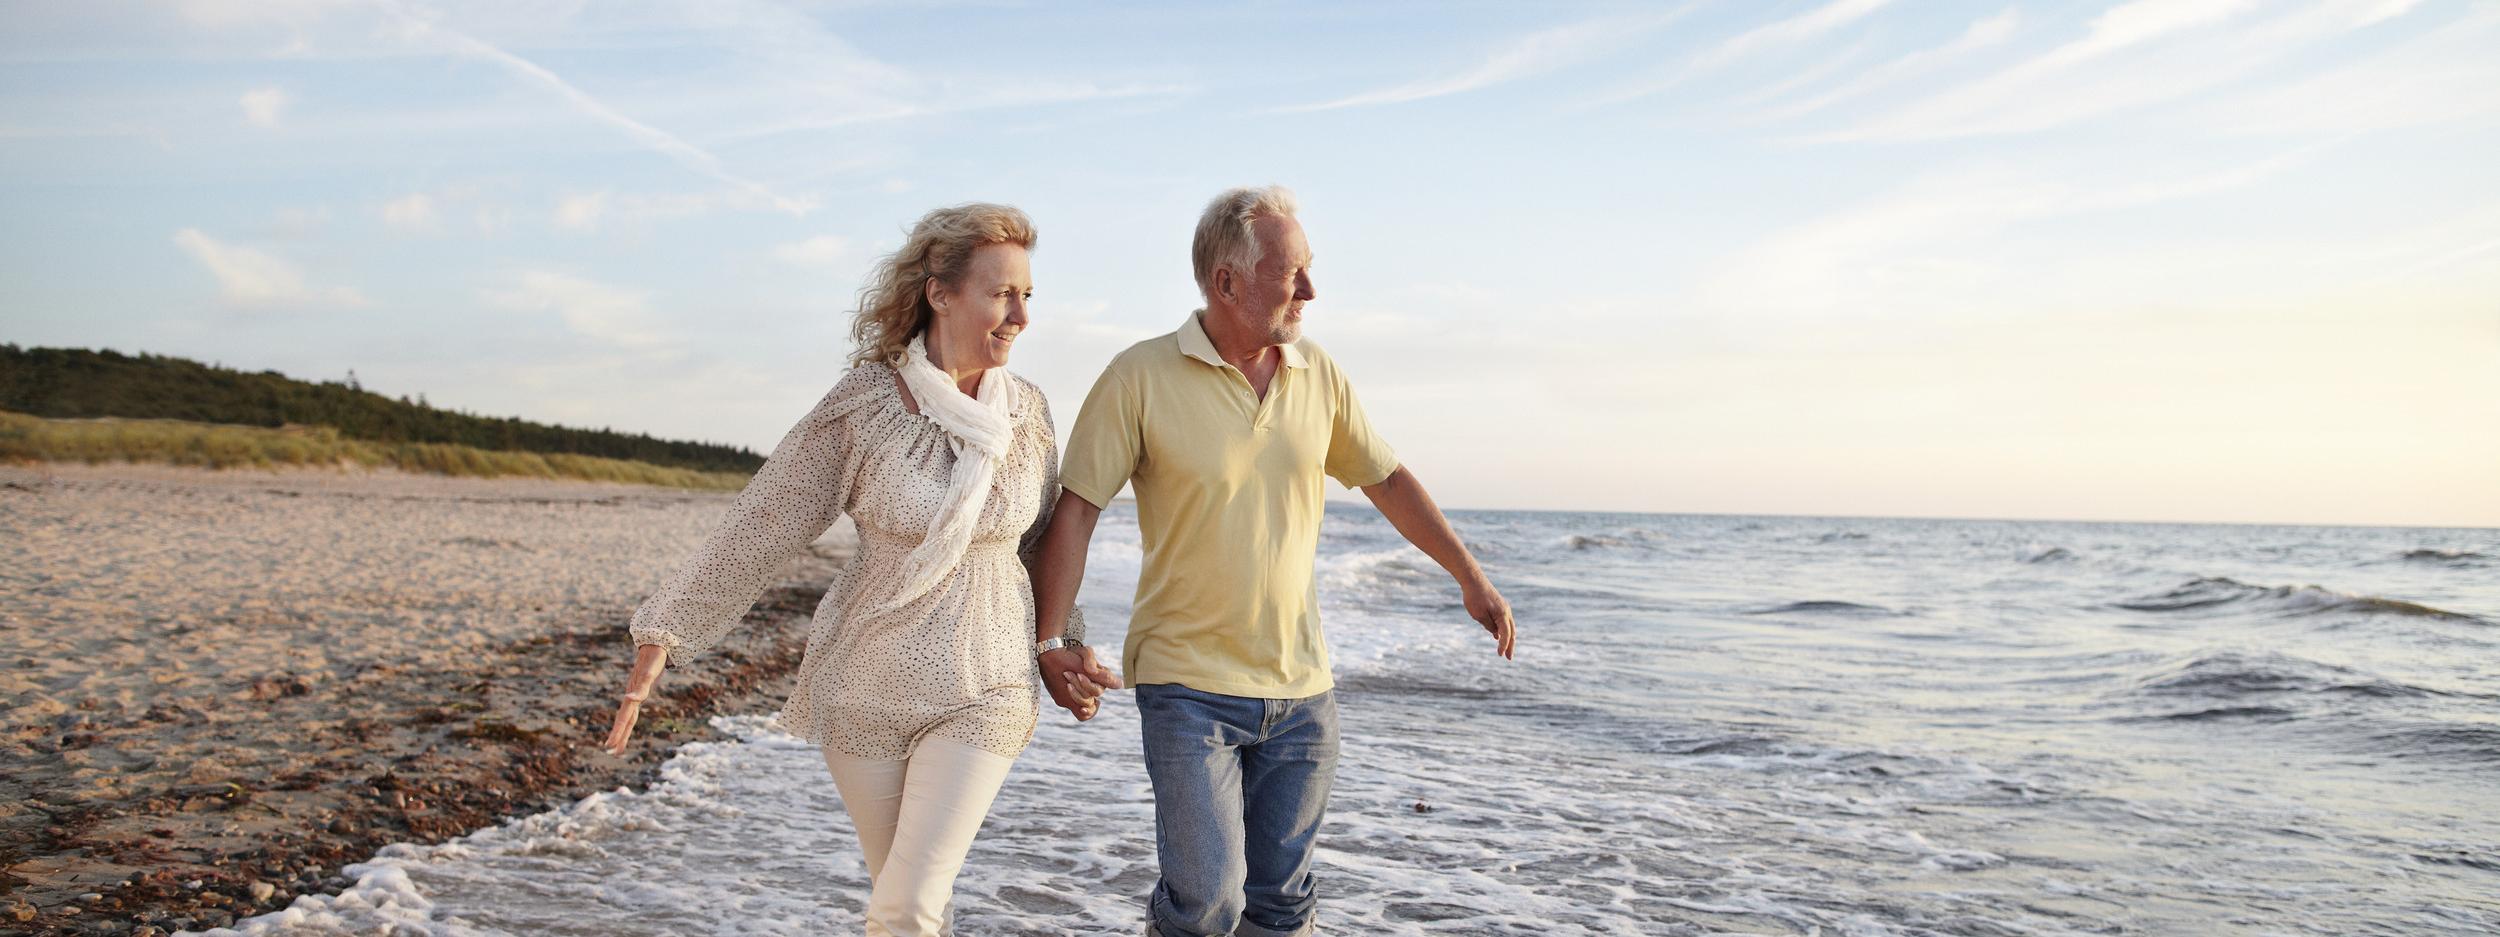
column 222, row 686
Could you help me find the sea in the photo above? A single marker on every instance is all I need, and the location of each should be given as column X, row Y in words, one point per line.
column 1714, row 725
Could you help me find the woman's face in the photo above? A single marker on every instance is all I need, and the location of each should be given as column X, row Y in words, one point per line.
column 978, row 318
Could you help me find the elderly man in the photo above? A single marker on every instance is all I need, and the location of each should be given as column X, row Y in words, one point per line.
column 1225, row 427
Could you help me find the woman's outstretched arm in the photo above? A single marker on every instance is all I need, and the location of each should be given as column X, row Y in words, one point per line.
column 791, row 501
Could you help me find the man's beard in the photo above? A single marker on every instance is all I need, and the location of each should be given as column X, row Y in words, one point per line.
column 1285, row 332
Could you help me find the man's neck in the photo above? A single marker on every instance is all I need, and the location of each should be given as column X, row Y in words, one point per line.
column 1240, row 349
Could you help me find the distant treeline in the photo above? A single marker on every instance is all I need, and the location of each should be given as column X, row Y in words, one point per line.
column 70, row 383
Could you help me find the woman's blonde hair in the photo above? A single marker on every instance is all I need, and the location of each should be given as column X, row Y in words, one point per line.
column 894, row 306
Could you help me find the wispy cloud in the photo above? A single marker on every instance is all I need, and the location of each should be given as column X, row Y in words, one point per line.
column 411, row 212
column 262, row 106
column 2448, row 74
column 1797, row 29
column 2127, row 58
column 1925, row 246
column 253, row 279
column 233, row 12
column 1535, row 54
column 594, row 211
column 1983, row 34
column 650, row 137
column 821, row 251
column 593, row 310
column 581, row 212
column 491, row 219
column 299, row 221
column 2139, row 22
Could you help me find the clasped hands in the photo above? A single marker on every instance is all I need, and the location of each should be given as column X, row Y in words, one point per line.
column 1076, row 679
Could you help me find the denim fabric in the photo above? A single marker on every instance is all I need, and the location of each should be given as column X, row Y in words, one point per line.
column 1240, row 784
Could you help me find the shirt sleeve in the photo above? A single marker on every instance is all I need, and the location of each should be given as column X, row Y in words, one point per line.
column 1104, row 448
column 1031, row 546
column 1357, row 457
column 802, row 488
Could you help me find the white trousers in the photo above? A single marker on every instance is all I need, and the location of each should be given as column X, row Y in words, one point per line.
column 916, row 819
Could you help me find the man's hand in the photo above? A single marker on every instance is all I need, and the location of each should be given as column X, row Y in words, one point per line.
column 1409, row 508
column 1077, row 680
column 1486, row 605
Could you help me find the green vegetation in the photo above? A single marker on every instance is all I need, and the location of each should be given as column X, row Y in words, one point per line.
column 66, row 383
column 224, row 446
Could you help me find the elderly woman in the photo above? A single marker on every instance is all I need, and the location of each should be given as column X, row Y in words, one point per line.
column 918, row 680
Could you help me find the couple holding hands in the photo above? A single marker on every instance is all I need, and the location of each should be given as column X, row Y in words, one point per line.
column 918, row 676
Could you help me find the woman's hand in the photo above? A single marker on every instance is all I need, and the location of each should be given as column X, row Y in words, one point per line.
column 648, row 660
column 1077, row 680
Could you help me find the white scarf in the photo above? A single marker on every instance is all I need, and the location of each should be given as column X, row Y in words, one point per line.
column 979, row 431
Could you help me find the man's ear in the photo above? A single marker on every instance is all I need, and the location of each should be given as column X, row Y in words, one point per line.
column 1224, row 282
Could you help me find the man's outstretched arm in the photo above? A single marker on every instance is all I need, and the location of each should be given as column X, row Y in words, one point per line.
column 1075, row 677
column 1403, row 500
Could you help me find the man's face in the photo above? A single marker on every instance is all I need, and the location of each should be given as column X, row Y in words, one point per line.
column 1270, row 298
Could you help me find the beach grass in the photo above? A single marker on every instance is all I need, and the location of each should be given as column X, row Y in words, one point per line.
column 221, row 445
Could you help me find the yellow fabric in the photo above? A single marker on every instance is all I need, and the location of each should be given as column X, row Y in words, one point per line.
column 1229, row 495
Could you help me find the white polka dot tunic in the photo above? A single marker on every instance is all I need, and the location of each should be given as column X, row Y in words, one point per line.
column 956, row 663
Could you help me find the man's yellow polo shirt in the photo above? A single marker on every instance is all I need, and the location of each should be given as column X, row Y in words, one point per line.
column 1229, row 495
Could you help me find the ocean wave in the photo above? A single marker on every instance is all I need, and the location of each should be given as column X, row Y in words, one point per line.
column 1621, row 538
column 2234, row 676
column 1829, row 607
column 2461, row 856
column 2456, row 558
column 1726, row 745
column 1593, row 541
column 2264, row 713
column 2215, row 591
column 1375, row 572
column 2051, row 555
column 2477, row 743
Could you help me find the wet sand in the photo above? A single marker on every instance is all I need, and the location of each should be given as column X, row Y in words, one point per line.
column 220, row 687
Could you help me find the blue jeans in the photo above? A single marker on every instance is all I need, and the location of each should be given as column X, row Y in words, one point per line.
column 1240, row 784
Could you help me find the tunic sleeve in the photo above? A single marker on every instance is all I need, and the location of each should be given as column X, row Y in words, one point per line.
column 1030, row 547
column 802, row 488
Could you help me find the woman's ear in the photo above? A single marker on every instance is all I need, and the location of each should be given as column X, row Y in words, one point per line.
column 935, row 293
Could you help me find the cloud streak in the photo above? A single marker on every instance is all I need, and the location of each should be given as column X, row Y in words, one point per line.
column 1981, row 35
column 650, row 137
column 1925, row 246
column 411, row 212
column 1536, row 54
column 1803, row 27
column 253, row 279
column 821, row 251
column 2127, row 58
column 593, row 310
column 261, row 106
column 2446, row 75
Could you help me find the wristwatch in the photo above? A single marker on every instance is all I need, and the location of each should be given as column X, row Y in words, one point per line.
column 1044, row 647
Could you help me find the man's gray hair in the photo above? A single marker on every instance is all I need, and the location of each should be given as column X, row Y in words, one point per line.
column 1226, row 232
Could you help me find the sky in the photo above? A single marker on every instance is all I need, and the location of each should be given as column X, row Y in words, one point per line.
column 2191, row 260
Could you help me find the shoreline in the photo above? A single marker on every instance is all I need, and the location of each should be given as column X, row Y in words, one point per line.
column 163, row 792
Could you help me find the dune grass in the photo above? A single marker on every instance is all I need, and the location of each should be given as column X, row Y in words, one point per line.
column 219, row 445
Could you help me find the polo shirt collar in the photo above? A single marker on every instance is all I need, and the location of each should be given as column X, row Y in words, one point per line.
column 1195, row 344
